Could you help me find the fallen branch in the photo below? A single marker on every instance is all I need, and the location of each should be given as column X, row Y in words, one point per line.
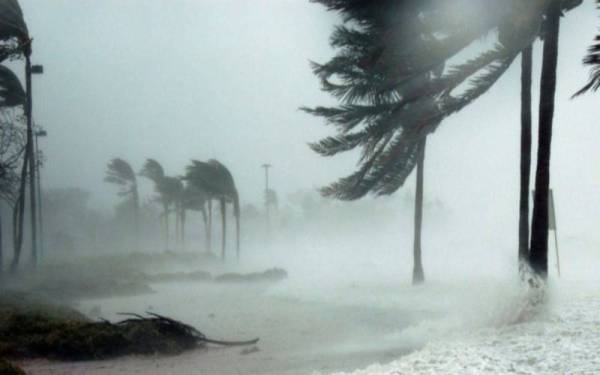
column 180, row 328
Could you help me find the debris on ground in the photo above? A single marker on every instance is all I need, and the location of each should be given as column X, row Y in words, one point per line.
column 273, row 274
column 40, row 330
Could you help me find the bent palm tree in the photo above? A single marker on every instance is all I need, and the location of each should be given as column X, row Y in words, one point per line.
column 120, row 173
column 215, row 179
column 383, row 77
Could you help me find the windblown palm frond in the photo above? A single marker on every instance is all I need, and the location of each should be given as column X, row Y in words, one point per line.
column 120, row 173
column 170, row 189
column 593, row 60
column 152, row 170
column 394, row 86
column 12, row 23
column 11, row 91
column 214, row 178
column 13, row 30
column 194, row 198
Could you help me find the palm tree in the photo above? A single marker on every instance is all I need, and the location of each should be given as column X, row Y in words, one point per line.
column 383, row 75
column 120, row 173
column 216, row 180
column 168, row 190
column 538, row 256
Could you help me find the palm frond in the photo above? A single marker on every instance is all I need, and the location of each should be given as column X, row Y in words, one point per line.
column 593, row 61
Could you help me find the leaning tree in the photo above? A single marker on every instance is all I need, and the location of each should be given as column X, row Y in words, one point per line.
column 217, row 181
column 367, row 90
column 389, row 132
column 120, row 173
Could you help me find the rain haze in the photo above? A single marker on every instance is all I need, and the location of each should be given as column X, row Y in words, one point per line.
column 327, row 285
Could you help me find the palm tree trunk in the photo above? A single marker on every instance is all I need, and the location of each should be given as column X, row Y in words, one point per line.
column 224, row 227
column 526, row 68
column 237, row 236
column 538, row 256
column 166, row 219
column 32, row 163
column 136, row 216
column 209, row 228
column 418, row 274
column 183, row 228
column 206, row 228
column 177, row 227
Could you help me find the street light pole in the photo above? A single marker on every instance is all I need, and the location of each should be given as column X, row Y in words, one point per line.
column 29, row 70
column 39, row 133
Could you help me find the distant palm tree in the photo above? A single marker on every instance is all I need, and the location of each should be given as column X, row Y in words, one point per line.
column 120, row 173
column 214, row 178
column 168, row 189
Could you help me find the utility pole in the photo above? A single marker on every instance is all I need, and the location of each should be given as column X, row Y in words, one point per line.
column 39, row 133
column 266, row 166
column 29, row 71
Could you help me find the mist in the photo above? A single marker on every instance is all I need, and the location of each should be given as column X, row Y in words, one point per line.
column 212, row 91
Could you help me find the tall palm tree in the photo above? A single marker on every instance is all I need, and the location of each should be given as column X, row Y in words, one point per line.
column 215, row 179
column 382, row 76
column 538, row 256
column 120, row 173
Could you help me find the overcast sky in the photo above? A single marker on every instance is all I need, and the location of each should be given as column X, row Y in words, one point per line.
column 182, row 79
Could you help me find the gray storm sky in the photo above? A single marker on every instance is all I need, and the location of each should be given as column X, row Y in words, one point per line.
column 182, row 79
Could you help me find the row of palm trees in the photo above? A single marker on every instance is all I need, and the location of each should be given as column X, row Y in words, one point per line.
column 394, row 88
column 202, row 183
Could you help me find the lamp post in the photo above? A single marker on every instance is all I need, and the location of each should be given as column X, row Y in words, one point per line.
column 39, row 133
column 29, row 71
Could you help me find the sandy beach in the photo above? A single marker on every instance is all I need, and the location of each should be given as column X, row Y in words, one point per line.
column 296, row 337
